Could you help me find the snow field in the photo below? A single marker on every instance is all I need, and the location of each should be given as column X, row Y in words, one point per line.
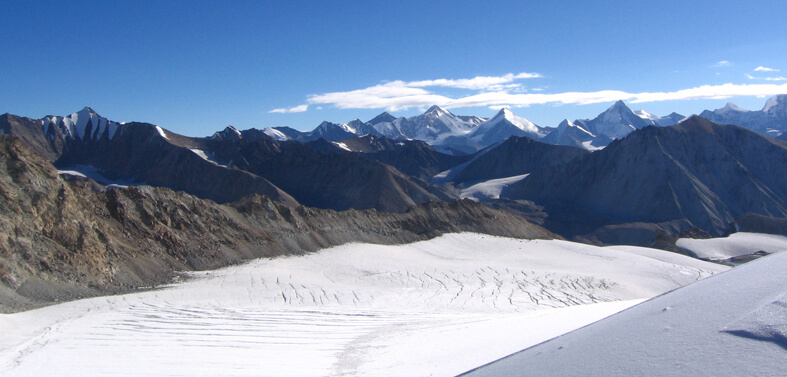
column 736, row 244
column 733, row 324
column 432, row 308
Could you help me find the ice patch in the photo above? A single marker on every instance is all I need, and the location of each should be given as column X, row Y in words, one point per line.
column 161, row 132
column 342, row 146
column 736, row 244
column 71, row 172
column 89, row 171
column 206, row 157
column 488, row 190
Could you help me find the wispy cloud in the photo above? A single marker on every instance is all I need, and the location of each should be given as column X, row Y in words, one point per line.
column 765, row 69
column 713, row 92
column 771, row 78
column 507, row 91
column 722, row 63
column 296, row 109
column 397, row 95
column 478, row 82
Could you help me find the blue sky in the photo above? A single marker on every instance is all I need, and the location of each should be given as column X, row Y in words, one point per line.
column 194, row 67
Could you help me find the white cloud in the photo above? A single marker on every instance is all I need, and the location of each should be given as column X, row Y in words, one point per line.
column 476, row 83
column 723, row 63
column 397, row 95
column 394, row 95
column 296, row 109
column 764, row 69
column 775, row 78
column 504, row 91
column 713, row 92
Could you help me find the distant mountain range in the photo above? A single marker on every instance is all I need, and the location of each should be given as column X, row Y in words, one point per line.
column 454, row 134
column 646, row 173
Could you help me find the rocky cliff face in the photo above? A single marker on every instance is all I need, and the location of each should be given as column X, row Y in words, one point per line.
column 62, row 240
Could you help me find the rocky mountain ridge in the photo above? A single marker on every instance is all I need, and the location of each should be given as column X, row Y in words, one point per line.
column 771, row 120
column 393, row 175
column 697, row 173
column 225, row 167
column 62, row 240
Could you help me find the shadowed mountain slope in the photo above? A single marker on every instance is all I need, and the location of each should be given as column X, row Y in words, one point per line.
column 699, row 171
column 225, row 167
column 61, row 240
column 516, row 156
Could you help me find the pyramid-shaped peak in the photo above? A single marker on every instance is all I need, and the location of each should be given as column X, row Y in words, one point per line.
column 731, row 107
column 437, row 110
column 504, row 112
column 88, row 110
column 228, row 133
column 382, row 118
column 566, row 123
column 619, row 105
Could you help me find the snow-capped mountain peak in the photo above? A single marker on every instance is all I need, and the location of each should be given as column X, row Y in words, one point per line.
column 619, row 104
column 437, row 111
column 776, row 105
column 353, row 126
column 83, row 125
column 730, row 107
column 88, row 110
column 617, row 111
column 228, row 133
column 645, row 115
column 505, row 113
column 385, row 117
column 504, row 125
column 771, row 120
column 521, row 123
column 616, row 122
column 434, row 124
column 276, row 134
column 566, row 124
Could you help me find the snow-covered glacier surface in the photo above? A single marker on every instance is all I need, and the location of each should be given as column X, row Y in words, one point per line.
column 733, row 324
column 432, row 308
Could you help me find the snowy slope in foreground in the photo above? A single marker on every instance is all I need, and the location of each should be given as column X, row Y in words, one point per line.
column 736, row 244
column 433, row 308
column 734, row 324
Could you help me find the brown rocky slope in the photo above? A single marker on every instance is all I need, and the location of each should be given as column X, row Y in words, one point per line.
column 63, row 240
